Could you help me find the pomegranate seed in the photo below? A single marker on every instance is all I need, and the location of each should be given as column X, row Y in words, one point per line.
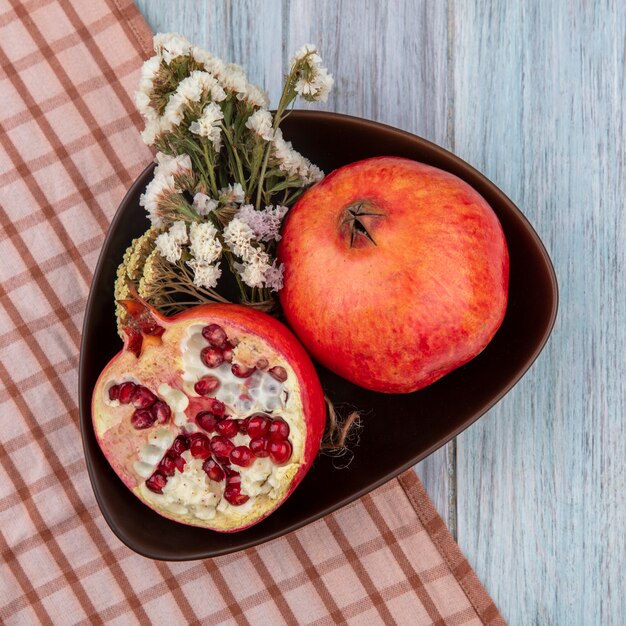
column 279, row 429
column 200, row 446
column 213, row 470
column 228, row 428
column 161, row 412
column 181, row 443
column 216, row 407
column 142, row 418
column 279, row 373
column 241, row 371
column 126, row 392
column 114, row 392
column 206, row 420
column 242, row 456
column 179, row 462
column 156, row 482
column 167, row 466
column 259, row 447
column 212, row 356
column 215, row 335
column 228, row 353
column 261, row 364
column 206, row 385
column 152, row 329
column 258, row 425
column 280, row 451
column 243, row 425
column 143, row 398
column 234, row 496
column 233, row 478
column 221, row 447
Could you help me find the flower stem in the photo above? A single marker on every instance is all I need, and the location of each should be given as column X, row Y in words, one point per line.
column 210, row 170
column 286, row 97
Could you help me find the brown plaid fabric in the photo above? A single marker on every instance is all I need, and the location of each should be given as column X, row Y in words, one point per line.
column 69, row 148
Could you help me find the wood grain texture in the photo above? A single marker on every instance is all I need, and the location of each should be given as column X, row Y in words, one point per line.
column 532, row 94
column 539, row 108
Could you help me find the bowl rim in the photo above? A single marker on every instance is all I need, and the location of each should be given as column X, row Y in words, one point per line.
column 310, row 117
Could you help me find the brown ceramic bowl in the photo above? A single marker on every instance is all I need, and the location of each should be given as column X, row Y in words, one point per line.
column 399, row 430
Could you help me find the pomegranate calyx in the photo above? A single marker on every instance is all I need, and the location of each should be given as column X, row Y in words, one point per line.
column 144, row 326
column 358, row 220
column 133, row 308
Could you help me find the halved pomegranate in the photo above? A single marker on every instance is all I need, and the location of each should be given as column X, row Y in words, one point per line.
column 171, row 413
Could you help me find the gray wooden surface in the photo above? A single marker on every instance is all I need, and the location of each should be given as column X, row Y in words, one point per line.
column 532, row 94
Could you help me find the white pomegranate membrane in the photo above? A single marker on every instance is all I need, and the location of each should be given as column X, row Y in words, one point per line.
column 231, row 435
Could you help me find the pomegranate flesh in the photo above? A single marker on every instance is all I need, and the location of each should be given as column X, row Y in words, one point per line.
column 211, row 417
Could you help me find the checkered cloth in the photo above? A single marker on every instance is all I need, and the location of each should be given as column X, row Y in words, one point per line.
column 69, row 149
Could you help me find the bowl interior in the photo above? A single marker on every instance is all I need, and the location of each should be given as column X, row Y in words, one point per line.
column 399, row 430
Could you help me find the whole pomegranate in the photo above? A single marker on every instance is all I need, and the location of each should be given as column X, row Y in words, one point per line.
column 211, row 417
column 396, row 273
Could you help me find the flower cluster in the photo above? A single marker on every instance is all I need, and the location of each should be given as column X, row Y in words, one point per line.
column 256, row 269
column 224, row 176
column 201, row 254
column 313, row 81
column 163, row 196
column 265, row 223
column 170, row 244
column 292, row 162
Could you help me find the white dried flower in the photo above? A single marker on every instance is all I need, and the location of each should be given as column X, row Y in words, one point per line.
column 179, row 165
column 170, row 244
column 265, row 223
column 149, row 71
column 154, row 127
column 188, row 91
column 307, row 50
column 168, row 248
column 238, row 237
column 203, row 242
column 253, row 275
column 313, row 81
column 209, row 85
column 256, row 97
column 253, row 270
column 190, row 87
column 233, row 194
column 233, row 78
column 261, row 122
column 171, row 46
column 203, row 204
column 198, row 85
column 311, row 173
column 316, row 87
column 178, row 232
column 205, row 274
column 208, row 125
column 289, row 160
column 157, row 191
column 274, row 276
column 292, row 162
column 211, row 64
column 163, row 185
column 142, row 102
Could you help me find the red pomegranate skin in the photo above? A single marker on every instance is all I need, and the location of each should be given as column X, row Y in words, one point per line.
column 118, row 449
column 422, row 293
